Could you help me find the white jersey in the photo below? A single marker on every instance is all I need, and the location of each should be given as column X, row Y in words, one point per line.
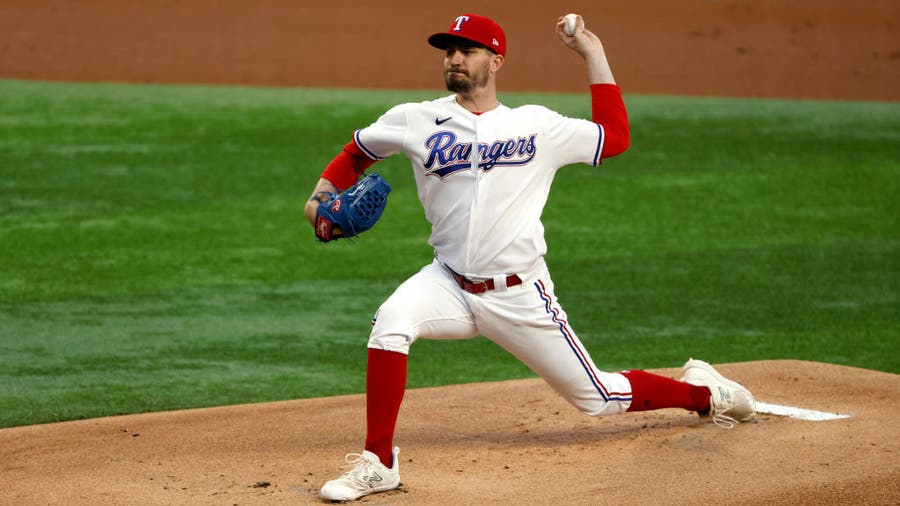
column 483, row 179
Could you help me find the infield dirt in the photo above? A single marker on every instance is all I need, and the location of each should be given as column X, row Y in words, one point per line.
column 827, row 49
column 513, row 442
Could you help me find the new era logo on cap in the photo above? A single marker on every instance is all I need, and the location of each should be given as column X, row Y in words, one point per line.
column 475, row 28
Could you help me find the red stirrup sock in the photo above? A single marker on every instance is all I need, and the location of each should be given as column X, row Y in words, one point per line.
column 651, row 391
column 385, row 385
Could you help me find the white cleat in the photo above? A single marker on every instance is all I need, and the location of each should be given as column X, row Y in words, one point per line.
column 367, row 475
column 729, row 402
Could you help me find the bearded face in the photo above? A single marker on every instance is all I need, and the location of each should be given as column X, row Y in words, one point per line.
column 466, row 68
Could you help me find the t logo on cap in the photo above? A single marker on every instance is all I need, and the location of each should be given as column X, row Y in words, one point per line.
column 459, row 22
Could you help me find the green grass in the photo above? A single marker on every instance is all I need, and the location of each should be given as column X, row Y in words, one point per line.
column 154, row 255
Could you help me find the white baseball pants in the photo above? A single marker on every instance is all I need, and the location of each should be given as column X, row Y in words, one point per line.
column 526, row 320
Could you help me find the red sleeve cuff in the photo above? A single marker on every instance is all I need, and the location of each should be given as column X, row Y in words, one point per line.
column 345, row 169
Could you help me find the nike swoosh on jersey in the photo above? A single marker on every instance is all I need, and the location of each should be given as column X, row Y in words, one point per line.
column 439, row 121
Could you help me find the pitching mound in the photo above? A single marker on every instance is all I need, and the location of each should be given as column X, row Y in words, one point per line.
column 513, row 442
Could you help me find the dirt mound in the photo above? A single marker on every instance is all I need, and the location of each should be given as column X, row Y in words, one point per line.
column 513, row 442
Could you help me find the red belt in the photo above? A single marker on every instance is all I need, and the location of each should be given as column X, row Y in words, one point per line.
column 481, row 286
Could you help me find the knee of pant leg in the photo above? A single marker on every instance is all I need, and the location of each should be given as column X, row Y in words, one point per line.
column 391, row 342
column 596, row 406
column 590, row 407
column 391, row 331
column 611, row 395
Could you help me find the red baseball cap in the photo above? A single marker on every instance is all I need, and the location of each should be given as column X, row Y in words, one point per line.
column 475, row 28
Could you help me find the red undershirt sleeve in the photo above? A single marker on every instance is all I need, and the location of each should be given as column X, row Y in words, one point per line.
column 608, row 109
column 345, row 169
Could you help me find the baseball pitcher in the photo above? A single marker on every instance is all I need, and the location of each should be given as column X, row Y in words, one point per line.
column 483, row 173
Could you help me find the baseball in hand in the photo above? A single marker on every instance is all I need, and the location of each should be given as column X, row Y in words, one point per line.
column 569, row 29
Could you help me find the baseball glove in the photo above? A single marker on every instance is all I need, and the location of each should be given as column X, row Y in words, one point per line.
column 354, row 211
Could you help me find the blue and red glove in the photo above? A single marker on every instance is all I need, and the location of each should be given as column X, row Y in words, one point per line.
column 354, row 211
